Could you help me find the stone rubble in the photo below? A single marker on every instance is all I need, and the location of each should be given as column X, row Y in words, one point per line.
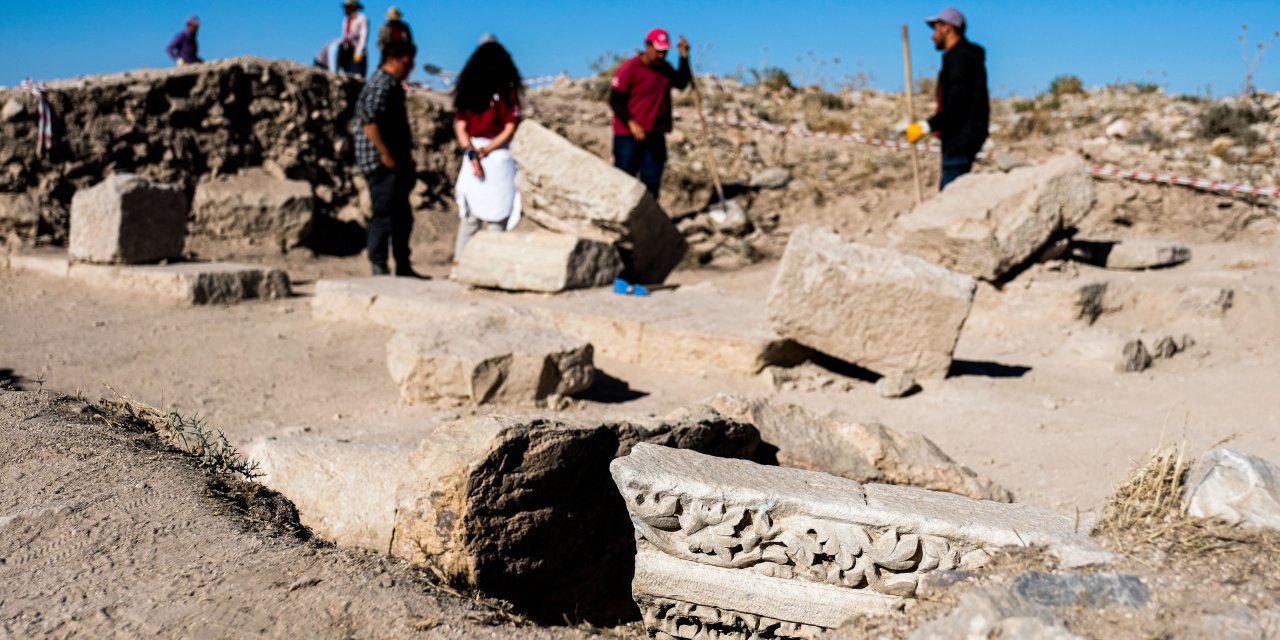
column 1234, row 487
column 128, row 219
column 256, row 205
column 542, row 262
column 879, row 309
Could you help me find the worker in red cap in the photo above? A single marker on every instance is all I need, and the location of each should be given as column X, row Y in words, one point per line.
column 964, row 109
column 641, row 103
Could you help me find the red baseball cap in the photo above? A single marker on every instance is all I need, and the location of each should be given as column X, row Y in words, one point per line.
column 659, row 38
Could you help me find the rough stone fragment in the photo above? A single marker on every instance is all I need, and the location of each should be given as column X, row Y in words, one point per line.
column 569, row 190
column 127, row 218
column 344, row 491
column 489, row 358
column 12, row 109
column 861, row 452
column 793, row 536
column 19, row 214
column 896, row 385
column 254, row 204
column 1095, row 591
column 985, row 224
column 523, row 509
column 877, row 308
column 547, row 262
column 994, row 613
column 1235, row 487
column 185, row 282
column 1117, row 351
column 771, row 178
column 1130, row 255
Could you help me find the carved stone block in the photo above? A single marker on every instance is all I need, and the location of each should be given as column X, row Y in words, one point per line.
column 724, row 545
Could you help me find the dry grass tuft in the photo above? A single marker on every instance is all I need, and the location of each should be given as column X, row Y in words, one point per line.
column 1150, row 496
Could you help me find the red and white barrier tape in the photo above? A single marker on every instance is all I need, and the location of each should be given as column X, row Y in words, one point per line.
column 44, row 132
column 1105, row 172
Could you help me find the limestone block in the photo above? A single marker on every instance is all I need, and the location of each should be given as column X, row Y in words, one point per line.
column 484, row 358
column 19, row 214
column 189, row 282
column 546, row 262
column 523, row 509
column 127, row 218
column 344, row 491
column 1235, row 487
column 985, row 224
column 1130, row 255
column 712, row 516
column 876, row 308
column 862, row 452
column 569, row 190
column 254, row 204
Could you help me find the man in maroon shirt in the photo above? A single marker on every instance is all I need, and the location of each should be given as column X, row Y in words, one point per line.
column 641, row 103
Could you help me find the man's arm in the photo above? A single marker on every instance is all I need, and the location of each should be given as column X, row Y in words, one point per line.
column 958, row 79
column 174, row 45
column 375, row 136
column 618, row 103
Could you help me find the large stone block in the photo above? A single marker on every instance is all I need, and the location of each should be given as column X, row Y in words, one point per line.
column 256, row 205
column 344, row 491
column 489, row 358
column 986, row 224
column 523, row 509
column 127, row 218
column 546, row 262
column 184, row 282
column 861, row 452
column 19, row 215
column 569, row 190
column 876, row 308
column 1237, row 488
column 777, row 552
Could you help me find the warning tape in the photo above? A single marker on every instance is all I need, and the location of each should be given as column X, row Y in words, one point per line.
column 447, row 78
column 1103, row 172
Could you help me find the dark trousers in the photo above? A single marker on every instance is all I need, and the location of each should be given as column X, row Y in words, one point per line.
column 954, row 165
column 392, row 217
column 644, row 159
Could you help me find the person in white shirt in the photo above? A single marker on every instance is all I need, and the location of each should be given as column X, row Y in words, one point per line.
column 355, row 39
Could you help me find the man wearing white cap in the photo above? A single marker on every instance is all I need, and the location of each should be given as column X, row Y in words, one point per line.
column 964, row 110
column 355, row 39
column 640, row 98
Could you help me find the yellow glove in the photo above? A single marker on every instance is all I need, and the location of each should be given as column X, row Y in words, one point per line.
column 917, row 130
column 359, row 57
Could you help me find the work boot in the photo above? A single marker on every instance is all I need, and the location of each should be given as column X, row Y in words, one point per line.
column 381, row 270
column 408, row 272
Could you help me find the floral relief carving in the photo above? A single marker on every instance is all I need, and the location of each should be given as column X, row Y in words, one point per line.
column 668, row 619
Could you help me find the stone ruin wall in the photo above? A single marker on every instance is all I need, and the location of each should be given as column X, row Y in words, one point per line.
column 182, row 124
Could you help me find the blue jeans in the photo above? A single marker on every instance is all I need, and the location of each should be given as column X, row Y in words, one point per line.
column 644, row 159
column 953, row 166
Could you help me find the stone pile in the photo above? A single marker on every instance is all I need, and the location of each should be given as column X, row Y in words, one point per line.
column 733, row 548
column 877, row 308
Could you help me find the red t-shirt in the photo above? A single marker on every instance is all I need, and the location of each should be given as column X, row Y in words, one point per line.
column 490, row 122
column 648, row 96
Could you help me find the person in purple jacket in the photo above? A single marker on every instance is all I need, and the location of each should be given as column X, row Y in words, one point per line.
column 184, row 49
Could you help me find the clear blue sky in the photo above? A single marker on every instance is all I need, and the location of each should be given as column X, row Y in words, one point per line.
column 1187, row 47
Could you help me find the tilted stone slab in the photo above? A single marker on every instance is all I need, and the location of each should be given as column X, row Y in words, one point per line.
column 877, row 308
column 344, row 491
column 485, row 358
column 184, row 282
column 128, row 219
column 812, row 530
column 569, row 190
column 986, row 224
column 546, row 262
column 254, row 205
column 523, row 508
column 1130, row 255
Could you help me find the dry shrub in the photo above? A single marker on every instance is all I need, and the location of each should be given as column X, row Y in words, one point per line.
column 1150, row 496
column 828, row 122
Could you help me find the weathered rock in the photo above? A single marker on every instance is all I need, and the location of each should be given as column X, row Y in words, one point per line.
column 547, row 262
column 771, row 178
column 1095, row 591
column 861, row 452
column 489, row 358
column 127, row 218
column 1234, row 487
column 1130, row 255
column 523, row 509
column 986, row 224
column 569, row 190
column 12, row 109
column 734, row 541
column 896, row 385
column 184, row 282
column 729, row 218
column 877, row 308
column 345, row 491
column 19, row 214
column 1117, row 351
column 254, row 204
column 994, row 613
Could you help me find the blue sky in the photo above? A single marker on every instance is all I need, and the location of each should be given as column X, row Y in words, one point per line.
column 1189, row 47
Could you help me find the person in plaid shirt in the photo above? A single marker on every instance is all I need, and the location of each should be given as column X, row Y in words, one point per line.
column 383, row 153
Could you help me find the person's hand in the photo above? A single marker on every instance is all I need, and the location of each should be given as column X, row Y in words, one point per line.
column 477, row 168
column 482, row 152
column 388, row 161
column 637, row 131
column 917, row 130
column 682, row 46
column 359, row 57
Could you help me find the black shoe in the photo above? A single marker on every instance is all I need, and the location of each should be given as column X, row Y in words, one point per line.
column 410, row 273
column 381, row 270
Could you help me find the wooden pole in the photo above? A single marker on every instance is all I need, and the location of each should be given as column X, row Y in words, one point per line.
column 706, row 135
column 911, row 115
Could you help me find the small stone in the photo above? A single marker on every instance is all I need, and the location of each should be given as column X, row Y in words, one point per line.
column 729, row 218
column 771, row 178
column 896, row 385
column 1237, row 488
column 1166, row 347
column 1094, row 591
column 1134, row 357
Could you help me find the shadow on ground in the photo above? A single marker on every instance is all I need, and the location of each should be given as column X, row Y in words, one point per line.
column 610, row 390
column 986, row 369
